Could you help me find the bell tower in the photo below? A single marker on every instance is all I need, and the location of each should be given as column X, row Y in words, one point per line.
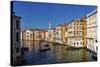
column 49, row 25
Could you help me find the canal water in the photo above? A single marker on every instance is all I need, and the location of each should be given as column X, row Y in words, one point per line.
column 56, row 54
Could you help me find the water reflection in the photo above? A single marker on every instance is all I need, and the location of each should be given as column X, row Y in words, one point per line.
column 56, row 54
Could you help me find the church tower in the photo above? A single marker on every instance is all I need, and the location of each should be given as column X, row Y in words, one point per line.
column 49, row 25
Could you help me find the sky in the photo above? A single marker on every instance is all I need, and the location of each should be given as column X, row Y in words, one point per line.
column 38, row 15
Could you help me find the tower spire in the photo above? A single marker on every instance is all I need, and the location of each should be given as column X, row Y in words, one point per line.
column 49, row 25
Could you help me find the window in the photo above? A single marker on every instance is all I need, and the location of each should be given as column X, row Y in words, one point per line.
column 80, row 24
column 17, row 37
column 83, row 23
column 50, row 35
column 17, row 24
column 17, row 49
column 66, row 28
column 80, row 43
column 96, row 41
column 96, row 48
column 77, row 27
column 81, row 20
column 83, row 28
column 30, row 35
column 74, row 27
column 18, row 57
column 77, row 43
column 83, row 43
column 83, row 33
column 74, row 23
column 57, row 33
column 27, row 32
column 74, row 43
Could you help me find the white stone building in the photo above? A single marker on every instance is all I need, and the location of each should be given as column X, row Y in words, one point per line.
column 29, row 34
column 50, row 35
column 92, row 31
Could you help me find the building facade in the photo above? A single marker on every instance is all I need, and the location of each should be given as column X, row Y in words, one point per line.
column 37, row 34
column 92, row 31
column 33, row 34
column 77, row 33
column 58, row 35
column 51, row 35
column 46, row 35
column 64, row 37
column 15, row 39
column 27, row 36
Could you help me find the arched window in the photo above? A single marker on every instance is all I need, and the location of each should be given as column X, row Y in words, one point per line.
column 80, row 43
column 77, row 43
column 17, row 24
column 74, row 43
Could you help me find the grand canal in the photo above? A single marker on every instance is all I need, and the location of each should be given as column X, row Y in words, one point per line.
column 55, row 54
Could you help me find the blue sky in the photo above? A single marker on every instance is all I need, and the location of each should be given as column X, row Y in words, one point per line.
column 37, row 15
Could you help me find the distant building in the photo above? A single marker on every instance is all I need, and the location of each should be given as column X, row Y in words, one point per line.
column 39, row 34
column 46, row 35
column 27, row 36
column 33, row 35
column 92, row 31
column 77, row 33
column 15, row 39
column 58, row 34
column 64, row 36
column 51, row 35
column 50, row 25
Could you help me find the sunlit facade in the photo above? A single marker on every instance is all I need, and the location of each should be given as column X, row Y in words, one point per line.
column 46, row 35
column 64, row 32
column 42, row 34
column 92, row 31
column 58, row 37
column 51, row 35
column 77, row 33
column 33, row 34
